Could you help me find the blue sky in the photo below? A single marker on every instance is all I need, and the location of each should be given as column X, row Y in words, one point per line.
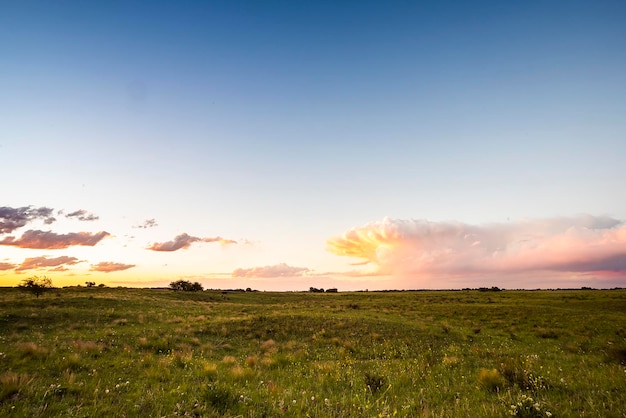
column 283, row 125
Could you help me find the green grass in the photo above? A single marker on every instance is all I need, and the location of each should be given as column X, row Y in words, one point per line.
column 154, row 353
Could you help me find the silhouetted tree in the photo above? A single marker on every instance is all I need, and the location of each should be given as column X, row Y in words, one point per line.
column 186, row 286
column 36, row 285
column 90, row 284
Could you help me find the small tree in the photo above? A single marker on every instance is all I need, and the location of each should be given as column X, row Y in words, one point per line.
column 186, row 286
column 36, row 285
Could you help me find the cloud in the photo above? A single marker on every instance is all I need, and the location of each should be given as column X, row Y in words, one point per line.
column 82, row 215
column 583, row 244
column 183, row 241
column 42, row 262
column 278, row 270
column 109, row 267
column 52, row 241
column 14, row 218
column 148, row 223
column 7, row 266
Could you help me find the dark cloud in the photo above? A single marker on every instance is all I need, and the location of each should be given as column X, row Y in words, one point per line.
column 183, row 241
column 82, row 215
column 14, row 218
column 148, row 223
column 278, row 270
column 109, row 267
column 42, row 262
column 52, row 241
column 7, row 266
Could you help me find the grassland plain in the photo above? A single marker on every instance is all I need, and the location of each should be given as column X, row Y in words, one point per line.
column 159, row 353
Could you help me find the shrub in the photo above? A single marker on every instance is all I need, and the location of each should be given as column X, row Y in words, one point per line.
column 517, row 371
column 30, row 350
column 491, row 380
column 374, row 382
column 617, row 354
column 220, row 397
column 11, row 384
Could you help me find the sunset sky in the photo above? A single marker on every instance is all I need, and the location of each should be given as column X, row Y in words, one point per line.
column 287, row 144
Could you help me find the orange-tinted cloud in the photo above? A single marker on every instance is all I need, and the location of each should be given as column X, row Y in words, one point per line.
column 109, row 267
column 14, row 218
column 7, row 266
column 183, row 241
column 278, row 270
column 42, row 262
column 52, row 241
column 584, row 244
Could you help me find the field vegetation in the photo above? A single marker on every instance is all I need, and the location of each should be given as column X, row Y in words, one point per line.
column 95, row 351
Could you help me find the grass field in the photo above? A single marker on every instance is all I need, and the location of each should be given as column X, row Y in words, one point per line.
column 156, row 353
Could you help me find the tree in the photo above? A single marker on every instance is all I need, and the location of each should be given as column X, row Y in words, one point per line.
column 186, row 285
column 90, row 284
column 36, row 285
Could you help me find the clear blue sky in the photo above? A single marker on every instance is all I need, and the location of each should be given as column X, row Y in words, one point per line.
column 282, row 125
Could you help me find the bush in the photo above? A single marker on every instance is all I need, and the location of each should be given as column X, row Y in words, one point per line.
column 491, row 380
column 220, row 397
column 186, row 285
column 374, row 382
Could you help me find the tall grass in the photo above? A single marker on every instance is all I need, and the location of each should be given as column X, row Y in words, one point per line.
column 134, row 352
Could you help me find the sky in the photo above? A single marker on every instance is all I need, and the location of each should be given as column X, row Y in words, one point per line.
column 283, row 145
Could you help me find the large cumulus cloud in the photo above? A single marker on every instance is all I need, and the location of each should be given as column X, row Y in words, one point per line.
column 582, row 244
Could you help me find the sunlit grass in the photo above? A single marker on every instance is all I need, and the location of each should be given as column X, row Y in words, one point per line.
column 130, row 352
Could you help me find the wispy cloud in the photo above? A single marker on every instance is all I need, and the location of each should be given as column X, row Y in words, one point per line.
column 44, row 261
column 82, row 215
column 109, row 267
column 14, row 218
column 7, row 266
column 52, row 241
column 582, row 244
column 278, row 270
column 148, row 223
column 183, row 241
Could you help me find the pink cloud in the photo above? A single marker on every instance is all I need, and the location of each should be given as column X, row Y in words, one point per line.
column 43, row 262
column 7, row 266
column 278, row 270
column 183, row 241
column 52, row 241
column 109, row 267
column 583, row 244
